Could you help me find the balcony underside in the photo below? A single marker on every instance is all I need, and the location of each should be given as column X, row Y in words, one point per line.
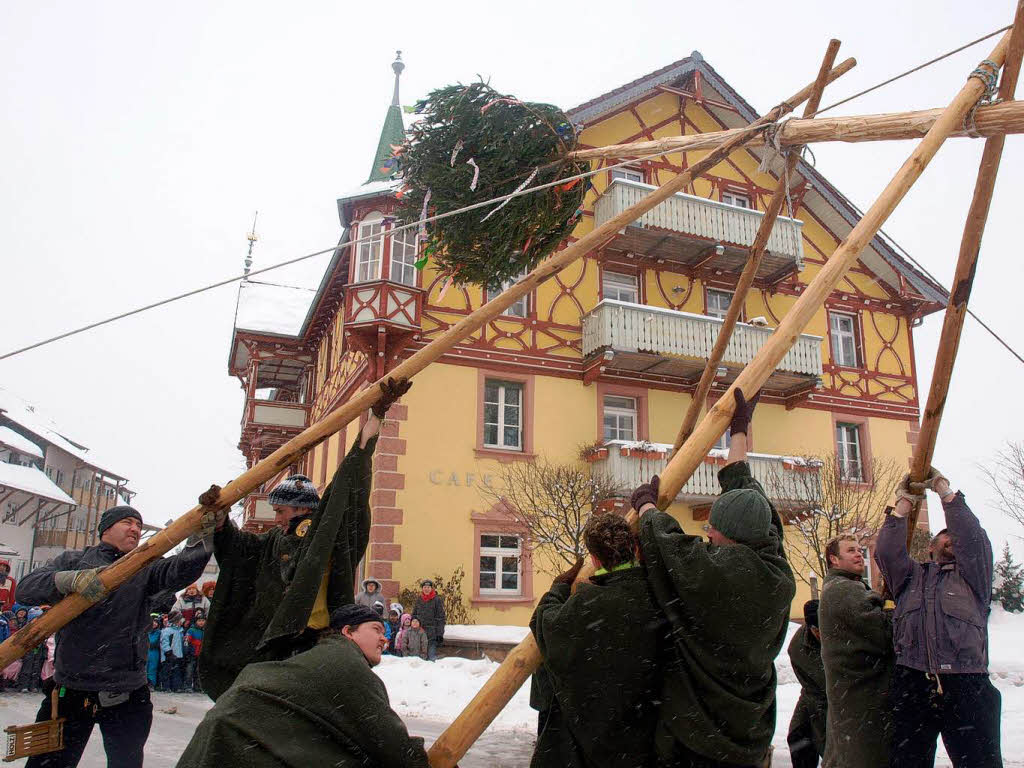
column 690, row 253
column 784, row 383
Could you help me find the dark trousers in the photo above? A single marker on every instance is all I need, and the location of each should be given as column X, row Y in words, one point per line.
column 171, row 673
column 124, row 727
column 802, row 751
column 966, row 715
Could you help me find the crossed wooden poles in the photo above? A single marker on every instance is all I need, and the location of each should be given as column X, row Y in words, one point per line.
column 525, row 658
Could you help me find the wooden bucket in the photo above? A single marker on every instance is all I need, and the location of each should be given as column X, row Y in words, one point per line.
column 37, row 738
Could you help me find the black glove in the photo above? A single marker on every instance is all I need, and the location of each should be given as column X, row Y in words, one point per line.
column 645, row 494
column 570, row 576
column 390, row 391
column 744, row 411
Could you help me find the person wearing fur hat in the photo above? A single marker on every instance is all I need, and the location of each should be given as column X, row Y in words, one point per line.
column 727, row 601
column 276, row 590
column 370, row 593
column 324, row 706
column 101, row 655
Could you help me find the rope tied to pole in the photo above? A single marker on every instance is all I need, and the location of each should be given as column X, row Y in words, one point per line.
column 988, row 73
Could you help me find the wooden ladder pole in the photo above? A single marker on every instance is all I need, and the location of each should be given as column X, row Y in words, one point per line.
column 754, row 375
column 525, row 658
column 757, row 250
column 160, row 543
column 991, row 120
column 967, row 263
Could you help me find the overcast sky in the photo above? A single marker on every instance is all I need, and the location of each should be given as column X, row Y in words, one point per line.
column 138, row 140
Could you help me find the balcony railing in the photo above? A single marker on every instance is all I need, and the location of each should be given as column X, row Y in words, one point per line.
column 382, row 301
column 273, row 413
column 632, row 333
column 698, row 223
column 628, row 464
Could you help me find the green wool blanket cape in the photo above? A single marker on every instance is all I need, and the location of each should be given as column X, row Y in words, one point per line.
column 728, row 608
column 268, row 582
column 812, row 706
column 324, row 707
column 858, row 655
column 602, row 649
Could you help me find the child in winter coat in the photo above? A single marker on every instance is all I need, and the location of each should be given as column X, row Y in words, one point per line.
column 394, row 625
column 404, row 623
column 153, row 657
column 194, row 640
column 416, row 641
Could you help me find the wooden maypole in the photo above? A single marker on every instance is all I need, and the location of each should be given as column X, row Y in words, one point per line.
column 967, row 263
column 525, row 658
column 161, row 543
column 757, row 250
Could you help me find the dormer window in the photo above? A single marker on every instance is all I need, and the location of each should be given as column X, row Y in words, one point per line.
column 734, row 198
column 370, row 249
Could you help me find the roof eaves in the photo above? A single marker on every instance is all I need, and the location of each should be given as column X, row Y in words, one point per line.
column 587, row 111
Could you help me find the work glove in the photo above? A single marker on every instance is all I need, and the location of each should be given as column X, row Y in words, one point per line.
column 912, row 492
column 645, row 494
column 213, row 518
column 744, row 411
column 568, row 577
column 390, row 390
column 937, row 482
column 85, row 582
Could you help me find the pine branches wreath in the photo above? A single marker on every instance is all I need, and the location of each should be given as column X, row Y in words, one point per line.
column 473, row 144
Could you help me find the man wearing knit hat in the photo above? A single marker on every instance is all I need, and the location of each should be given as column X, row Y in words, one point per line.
column 727, row 603
column 806, row 737
column 324, row 706
column 101, row 655
column 276, row 590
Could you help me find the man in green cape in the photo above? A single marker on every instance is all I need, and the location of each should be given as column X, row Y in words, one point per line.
column 601, row 647
column 806, row 737
column 276, row 590
column 727, row 603
column 857, row 651
column 322, row 707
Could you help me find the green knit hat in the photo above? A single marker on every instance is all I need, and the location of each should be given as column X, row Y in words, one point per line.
column 742, row 514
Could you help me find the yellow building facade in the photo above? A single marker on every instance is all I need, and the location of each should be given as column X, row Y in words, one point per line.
column 605, row 355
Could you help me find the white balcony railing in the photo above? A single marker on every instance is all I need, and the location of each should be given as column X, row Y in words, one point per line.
column 622, row 326
column 628, row 464
column 700, row 217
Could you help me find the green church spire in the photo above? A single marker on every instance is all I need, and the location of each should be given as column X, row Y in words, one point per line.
column 393, row 131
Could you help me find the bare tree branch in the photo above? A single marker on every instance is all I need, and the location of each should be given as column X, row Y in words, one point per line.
column 552, row 503
column 821, row 501
column 1006, row 478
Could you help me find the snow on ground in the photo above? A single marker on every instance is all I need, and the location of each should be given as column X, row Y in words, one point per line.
column 429, row 695
column 485, row 633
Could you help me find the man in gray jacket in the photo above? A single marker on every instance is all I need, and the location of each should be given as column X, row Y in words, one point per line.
column 101, row 655
column 941, row 684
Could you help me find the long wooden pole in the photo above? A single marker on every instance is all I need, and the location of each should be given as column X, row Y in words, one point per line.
column 757, row 250
column 967, row 263
column 525, row 658
column 162, row 542
column 754, row 375
column 992, row 120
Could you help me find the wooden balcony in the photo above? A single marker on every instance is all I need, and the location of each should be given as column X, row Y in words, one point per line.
column 639, row 339
column 685, row 229
column 269, row 424
column 381, row 317
column 628, row 464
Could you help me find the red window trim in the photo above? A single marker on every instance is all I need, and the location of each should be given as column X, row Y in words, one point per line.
column 504, row 454
column 858, row 336
column 640, row 393
column 498, row 520
column 863, row 434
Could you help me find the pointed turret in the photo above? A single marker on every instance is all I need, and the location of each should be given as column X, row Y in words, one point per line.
column 393, row 132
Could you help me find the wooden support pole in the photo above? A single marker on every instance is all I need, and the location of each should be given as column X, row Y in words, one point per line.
column 967, row 263
column 754, row 375
column 746, row 279
column 525, row 658
column 161, row 543
column 992, row 120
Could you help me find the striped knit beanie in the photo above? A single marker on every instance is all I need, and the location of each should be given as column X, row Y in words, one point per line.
column 295, row 491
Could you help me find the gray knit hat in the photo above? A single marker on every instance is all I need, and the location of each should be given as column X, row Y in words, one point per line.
column 295, row 491
column 742, row 514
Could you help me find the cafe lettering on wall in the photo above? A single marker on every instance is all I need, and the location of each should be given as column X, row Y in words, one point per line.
column 460, row 479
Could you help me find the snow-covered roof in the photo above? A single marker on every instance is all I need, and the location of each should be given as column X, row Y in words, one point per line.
column 19, row 443
column 33, row 481
column 272, row 308
column 372, row 188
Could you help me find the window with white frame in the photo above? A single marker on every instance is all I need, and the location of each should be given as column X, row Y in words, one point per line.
column 619, row 418
column 503, row 414
column 629, row 174
column 521, row 307
column 500, row 559
column 368, row 253
column 732, row 198
column 718, row 302
column 620, row 287
column 848, row 451
column 844, row 339
column 868, row 569
column 403, row 257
